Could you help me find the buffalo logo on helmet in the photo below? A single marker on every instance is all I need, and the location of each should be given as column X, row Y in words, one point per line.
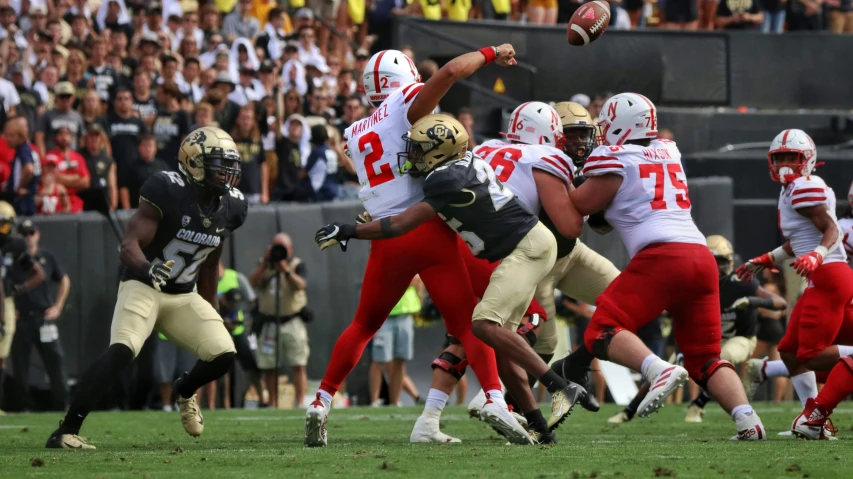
column 438, row 133
column 199, row 138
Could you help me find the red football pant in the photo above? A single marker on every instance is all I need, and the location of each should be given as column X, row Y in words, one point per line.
column 681, row 278
column 839, row 385
column 430, row 250
column 822, row 316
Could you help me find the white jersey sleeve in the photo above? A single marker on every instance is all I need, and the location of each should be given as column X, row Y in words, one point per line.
column 846, row 225
column 805, row 192
column 373, row 144
column 652, row 204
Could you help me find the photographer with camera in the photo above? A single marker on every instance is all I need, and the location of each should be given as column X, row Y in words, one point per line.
column 279, row 280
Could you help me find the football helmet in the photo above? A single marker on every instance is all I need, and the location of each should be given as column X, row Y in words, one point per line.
column 535, row 123
column 792, row 155
column 723, row 252
column 432, row 140
column 208, row 158
column 627, row 116
column 578, row 131
column 386, row 72
column 7, row 218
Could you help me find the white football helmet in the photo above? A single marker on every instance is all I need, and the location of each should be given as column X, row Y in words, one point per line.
column 386, row 72
column 792, row 155
column 627, row 116
column 536, row 123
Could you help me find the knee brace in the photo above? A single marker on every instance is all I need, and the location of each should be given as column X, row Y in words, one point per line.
column 602, row 343
column 451, row 364
column 528, row 330
column 708, row 370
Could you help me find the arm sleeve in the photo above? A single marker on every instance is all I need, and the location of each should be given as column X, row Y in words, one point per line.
column 603, row 161
column 808, row 193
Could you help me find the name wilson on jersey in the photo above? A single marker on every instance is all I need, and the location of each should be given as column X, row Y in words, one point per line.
column 203, row 239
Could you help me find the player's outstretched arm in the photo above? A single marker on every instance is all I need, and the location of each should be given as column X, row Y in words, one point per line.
column 748, row 270
column 460, row 67
column 595, row 193
column 208, row 277
column 388, row 227
column 554, row 196
column 140, row 231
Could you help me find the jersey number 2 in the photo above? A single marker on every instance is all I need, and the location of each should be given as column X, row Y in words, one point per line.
column 647, row 170
column 376, row 151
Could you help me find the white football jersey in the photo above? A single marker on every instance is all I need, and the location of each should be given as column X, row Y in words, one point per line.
column 373, row 144
column 804, row 236
column 514, row 164
column 652, row 204
column 846, row 226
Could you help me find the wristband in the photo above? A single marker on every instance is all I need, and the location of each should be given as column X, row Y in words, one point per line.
column 347, row 232
column 822, row 251
column 490, row 53
column 779, row 254
column 759, row 302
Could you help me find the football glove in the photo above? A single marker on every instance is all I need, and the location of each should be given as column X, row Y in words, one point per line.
column 160, row 272
column 363, row 218
column 807, row 263
column 334, row 233
column 748, row 270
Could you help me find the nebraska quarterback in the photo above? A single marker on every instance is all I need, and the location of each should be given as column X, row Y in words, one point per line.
column 821, row 317
column 638, row 181
column 392, row 85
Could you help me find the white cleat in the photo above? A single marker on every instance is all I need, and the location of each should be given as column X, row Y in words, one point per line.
column 502, row 421
column 749, row 428
column 814, row 423
column 476, row 404
column 694, row 414
column 619, row 418
column 753, row 376
column 427, row 430
column 664, row 384
column 315, row 424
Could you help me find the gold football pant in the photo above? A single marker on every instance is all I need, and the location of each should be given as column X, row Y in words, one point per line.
column 9, row 323
column 582, row 275
column 737, row 349
column 512, row 284
column 186, row 319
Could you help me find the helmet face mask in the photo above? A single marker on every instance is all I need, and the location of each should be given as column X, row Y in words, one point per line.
column 723, row 253
column 786, row 165
column 411, row 161
column 208, row 158
column 580, row 140
column 792, row 155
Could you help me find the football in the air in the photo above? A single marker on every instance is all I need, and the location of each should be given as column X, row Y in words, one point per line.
column 589, row 22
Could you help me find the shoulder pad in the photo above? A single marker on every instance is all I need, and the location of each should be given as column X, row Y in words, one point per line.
column 607, row 159
column 447, row 178
column 488, row 144
column 553, row 161
column 157, row 188
column 808, row 191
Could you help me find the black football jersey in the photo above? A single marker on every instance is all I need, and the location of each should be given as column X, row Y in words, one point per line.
column 15, row 252
column 469, row 198
column 184, row 235
column 737, row 322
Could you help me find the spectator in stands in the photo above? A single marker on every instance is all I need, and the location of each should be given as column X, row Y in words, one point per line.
column 681, row 14
column 346, row 87
column 133, row 177
column 539, row 12
column 91, row 108
column 52, row 197
column 318, row 105
column 254, row 177
column 267, row 84
column 292, row 103
column 288, row 275
column 804, row 15
column 38, row 311
column 172, row 124
column 75, row 72
column 353, row 111
column 274, row 37
column 169, row 71
column 247, row 91
column 48, row 78
column 321, row 167
column 72, row 172
column 61, row 115
column 739, row 15
column 427, row 69
column 25, row 169
column 105, row 77
column 466, row 117
column 31, row 105
column 203, row 115
column 289, row 162
column 144, row 103
column 191, row 87
column 102, row 194
column 774, row 15
column 308, row 50
column 124, row 129
column 239, row 24
column 840, row 16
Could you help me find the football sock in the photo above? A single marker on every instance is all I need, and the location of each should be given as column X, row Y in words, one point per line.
column 552, row 381
column 775, row 369
column 202, row 373
column 325, row 398
column 653, row 365
column 739, row 412
column 536, row 420
column 436, row 399
column 702, row 399
column 631, row 408
column 845, row 350
column 496, row 396
column 806, row 386
column 95, row 381
column 837, row 387
column 346, row 353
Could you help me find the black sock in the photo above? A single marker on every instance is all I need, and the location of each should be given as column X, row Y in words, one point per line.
column 202, row 373
column 94, row 382
column 702, row 399
column 552, row 381
column 535, row 420
column 631, row 409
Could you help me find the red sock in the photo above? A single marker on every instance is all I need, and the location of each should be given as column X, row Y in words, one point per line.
column 482, row 360
column 837, row 388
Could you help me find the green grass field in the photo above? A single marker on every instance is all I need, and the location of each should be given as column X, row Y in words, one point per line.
column 366, row 442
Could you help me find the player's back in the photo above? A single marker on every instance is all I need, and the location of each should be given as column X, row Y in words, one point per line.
column 514, row 165
column 373, row 144
column 806, row 192
column 652, row 204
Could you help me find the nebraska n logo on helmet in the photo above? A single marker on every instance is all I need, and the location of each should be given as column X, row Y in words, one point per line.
column 627, row 116
column 386, row 72
column 535, row 123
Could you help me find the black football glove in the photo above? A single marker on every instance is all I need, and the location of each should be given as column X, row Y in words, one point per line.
column 160, row 272
column 334, row 233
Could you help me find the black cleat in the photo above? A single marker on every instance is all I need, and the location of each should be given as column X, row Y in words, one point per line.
column 543, row 437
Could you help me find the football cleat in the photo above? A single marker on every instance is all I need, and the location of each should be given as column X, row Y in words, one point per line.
column 191, row 417
column 575, row 373
column 427, row 430
column 518, row 417
column 563, row 401
column 754, row 376
column 749, row 428
column 542, row 438
column 476, row 404
column 502, row 421
column 315, row 424
column 694, row 414
column 58, row 440
column 619, row 418
column 812, row 423
column 667, row 381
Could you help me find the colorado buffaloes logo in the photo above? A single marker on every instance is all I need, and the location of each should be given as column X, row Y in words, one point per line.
column 439, row 133
column 185, row 221
column 198, row 138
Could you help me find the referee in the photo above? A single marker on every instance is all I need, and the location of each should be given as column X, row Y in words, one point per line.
column 38, row 310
